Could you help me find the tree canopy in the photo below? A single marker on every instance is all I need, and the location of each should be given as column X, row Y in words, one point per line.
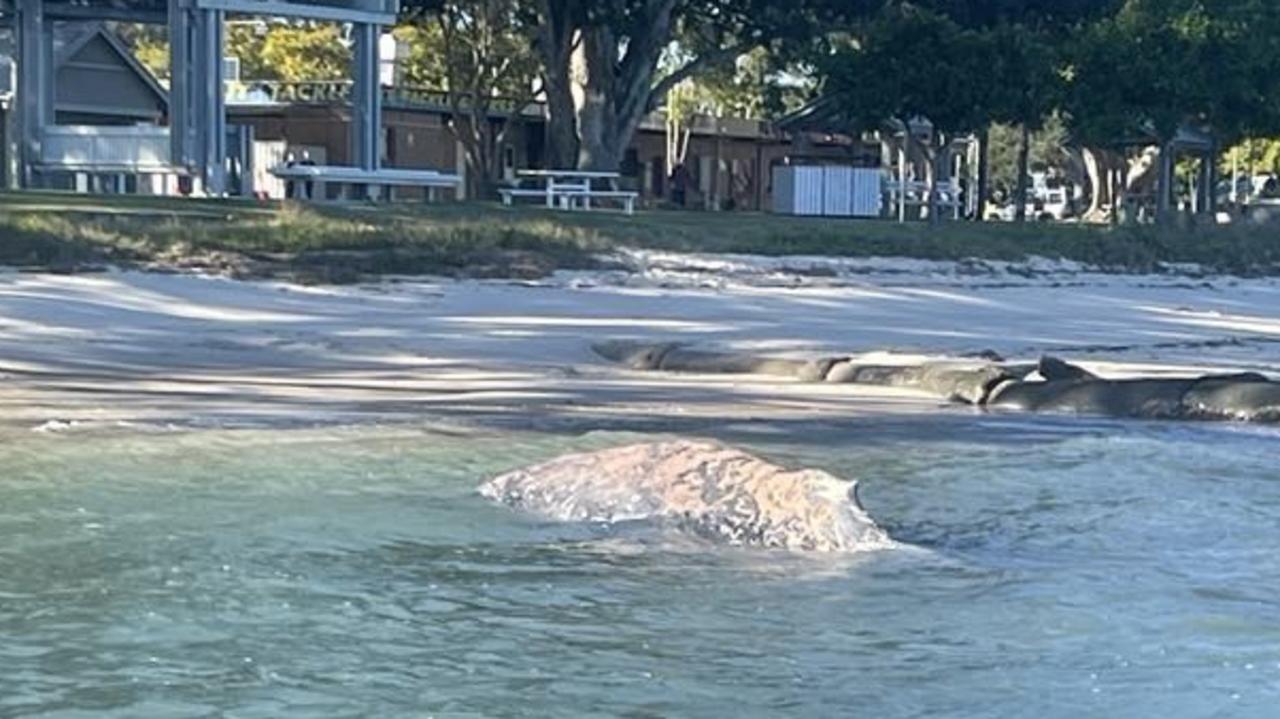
column 912, row 62
column 1115, row 72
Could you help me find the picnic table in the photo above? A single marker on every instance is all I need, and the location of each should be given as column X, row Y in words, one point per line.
column 571, row 189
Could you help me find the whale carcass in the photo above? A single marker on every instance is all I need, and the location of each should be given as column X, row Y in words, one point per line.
column 713, row 491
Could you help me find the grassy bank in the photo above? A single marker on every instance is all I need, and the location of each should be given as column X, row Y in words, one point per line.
column 342, row 243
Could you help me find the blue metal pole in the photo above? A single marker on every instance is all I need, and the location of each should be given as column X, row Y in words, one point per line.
column 366, row 99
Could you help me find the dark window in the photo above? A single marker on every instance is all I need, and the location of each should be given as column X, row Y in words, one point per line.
column 534, row 146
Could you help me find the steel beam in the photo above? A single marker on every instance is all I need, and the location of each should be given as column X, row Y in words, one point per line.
column 212, row 118
column 366, row 99
column 154, row 15
column 33, row 103
column 182, row 84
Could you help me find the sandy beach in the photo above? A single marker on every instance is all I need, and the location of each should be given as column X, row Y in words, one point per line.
column 188, row 350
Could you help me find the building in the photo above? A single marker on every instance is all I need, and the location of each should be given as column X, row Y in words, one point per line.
column 726, row 166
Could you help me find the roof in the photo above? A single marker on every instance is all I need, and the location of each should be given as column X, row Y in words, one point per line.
column 70, row 38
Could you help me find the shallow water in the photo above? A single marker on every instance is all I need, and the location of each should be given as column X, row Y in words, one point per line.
column 1060, row 569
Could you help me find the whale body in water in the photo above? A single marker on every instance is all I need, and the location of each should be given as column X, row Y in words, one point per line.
column 710, row 490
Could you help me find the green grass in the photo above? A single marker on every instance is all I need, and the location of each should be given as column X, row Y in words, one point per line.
column 339, row 243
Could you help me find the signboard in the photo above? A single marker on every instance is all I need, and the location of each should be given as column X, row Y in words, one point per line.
column 338, row 92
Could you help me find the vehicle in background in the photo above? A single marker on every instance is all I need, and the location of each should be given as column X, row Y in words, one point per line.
column 1048, row 205
column 1250, row 190
column 1056, row 205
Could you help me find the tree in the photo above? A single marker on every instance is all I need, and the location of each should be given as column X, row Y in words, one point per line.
column 479, row 52
column 750, row 88
column 303, row 51
column 759, row 85
column 914, row 63
column 1048, row 149
column 1025, row 88
column 149, row 44
column 601, row 59
column 1157, row 66
column 1025, row 78
column 294, row 51
column 245, row 40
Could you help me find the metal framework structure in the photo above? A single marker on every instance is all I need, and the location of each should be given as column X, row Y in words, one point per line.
column 197, row 107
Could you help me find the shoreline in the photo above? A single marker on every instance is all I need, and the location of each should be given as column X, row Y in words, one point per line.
column 197, row 350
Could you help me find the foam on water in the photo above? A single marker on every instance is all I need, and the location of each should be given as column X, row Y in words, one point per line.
column 1072, row 570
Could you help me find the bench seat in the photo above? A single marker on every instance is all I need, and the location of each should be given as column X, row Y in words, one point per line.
column 567, row 194
column 321, row 175
column 628, row 198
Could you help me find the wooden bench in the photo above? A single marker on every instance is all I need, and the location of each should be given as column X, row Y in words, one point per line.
column 310, row 181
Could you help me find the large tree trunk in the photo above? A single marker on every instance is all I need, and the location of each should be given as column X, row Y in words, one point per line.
column 1164, row 185
column 904, row 172
column 937, row 160
column 984, row 174
column 594, row 95
column 556, row 36
column 596, row 99
column 1117, row 194
column 1211, row 178
column 482, row 180
column 1100, row 171
column 1024, row 161
column 562, row 124
column 1140, row 177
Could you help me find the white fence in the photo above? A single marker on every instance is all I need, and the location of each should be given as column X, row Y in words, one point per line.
column 827, row 191
column 99, row 148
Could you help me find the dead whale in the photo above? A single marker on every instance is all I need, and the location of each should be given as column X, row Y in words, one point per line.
column 715, row 492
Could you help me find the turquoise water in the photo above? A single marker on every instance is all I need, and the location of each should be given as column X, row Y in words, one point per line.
column 1059, row 569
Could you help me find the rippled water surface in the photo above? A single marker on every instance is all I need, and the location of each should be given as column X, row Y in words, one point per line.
column 1061, row 570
